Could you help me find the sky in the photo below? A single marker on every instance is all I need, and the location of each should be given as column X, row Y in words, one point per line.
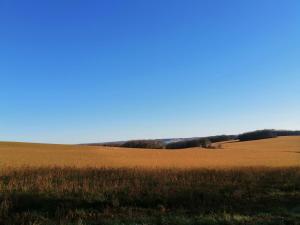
column 78, row 71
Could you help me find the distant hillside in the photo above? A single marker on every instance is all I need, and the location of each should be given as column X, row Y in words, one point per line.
column 169, row 143
column 180, row 143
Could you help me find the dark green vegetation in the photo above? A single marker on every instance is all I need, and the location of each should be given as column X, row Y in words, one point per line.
column 134, row 196
column 263, row 134
column 287, row 133
column 196, row 142
column 153, row 144
column 257, row 135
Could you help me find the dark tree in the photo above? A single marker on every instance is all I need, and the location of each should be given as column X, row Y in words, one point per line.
column 197, row 142
column 154, row 144
column 257, row 135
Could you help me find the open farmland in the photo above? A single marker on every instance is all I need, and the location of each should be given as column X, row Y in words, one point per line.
column 275, row 152
column 242, row 183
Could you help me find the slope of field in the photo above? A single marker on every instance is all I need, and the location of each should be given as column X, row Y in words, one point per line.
column 276, row 152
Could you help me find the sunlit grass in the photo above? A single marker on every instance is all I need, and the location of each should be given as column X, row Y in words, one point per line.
column 276, row 152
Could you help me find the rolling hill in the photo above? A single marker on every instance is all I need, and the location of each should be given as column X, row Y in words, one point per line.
column 274, row 152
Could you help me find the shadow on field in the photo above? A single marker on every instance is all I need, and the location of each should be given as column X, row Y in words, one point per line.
column 92, row 195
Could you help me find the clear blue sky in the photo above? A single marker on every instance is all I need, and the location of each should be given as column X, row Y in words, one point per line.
column 85, row 71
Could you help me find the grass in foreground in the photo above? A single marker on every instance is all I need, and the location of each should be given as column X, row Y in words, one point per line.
column 163, row 196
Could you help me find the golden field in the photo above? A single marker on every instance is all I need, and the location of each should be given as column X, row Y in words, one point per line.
column 275, row 152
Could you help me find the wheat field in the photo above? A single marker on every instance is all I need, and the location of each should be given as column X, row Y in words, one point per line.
column 275, row 152
column 68, row 184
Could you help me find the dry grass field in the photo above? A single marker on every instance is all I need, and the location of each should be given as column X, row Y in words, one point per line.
column 275, row 152
column 68, row 184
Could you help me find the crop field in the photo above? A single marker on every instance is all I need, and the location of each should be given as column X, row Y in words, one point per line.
column 241, row 183
column 275, row 152
column 245, row 196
